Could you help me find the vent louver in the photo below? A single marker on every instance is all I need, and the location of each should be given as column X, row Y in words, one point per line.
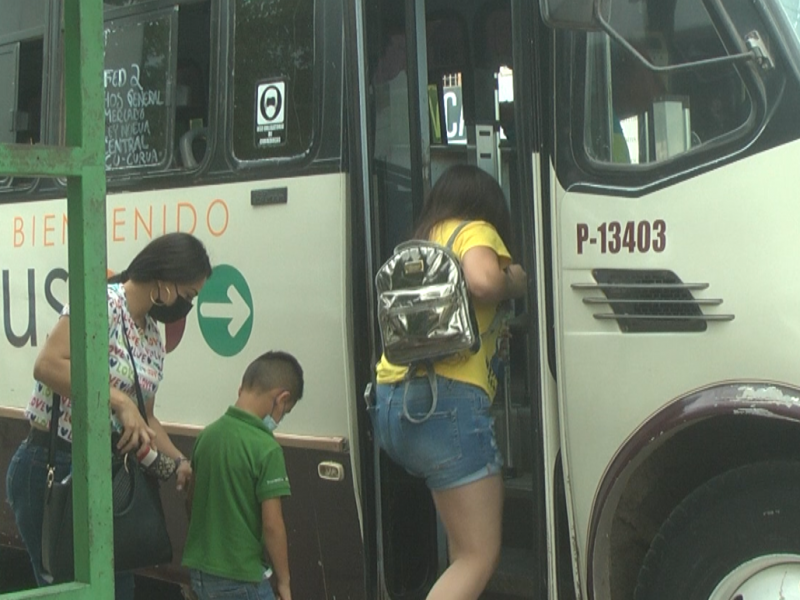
column 650, row 301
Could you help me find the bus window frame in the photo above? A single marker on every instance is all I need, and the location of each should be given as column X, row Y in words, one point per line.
column 588, row 173
column 308, row 155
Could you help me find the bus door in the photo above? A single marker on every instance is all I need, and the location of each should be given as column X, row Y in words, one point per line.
column 445, row 89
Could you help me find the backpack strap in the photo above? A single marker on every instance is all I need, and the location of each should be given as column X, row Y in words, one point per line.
column 455, row 233
column 431, row 373
column 55, row 415
column 429, row 370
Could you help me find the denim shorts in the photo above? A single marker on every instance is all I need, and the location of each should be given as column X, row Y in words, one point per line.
column 454, row 446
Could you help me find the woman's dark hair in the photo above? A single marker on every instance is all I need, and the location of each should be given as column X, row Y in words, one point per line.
column 176, row 257
column 467, row 193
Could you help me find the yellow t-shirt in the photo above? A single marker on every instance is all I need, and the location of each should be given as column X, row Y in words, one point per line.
column 466, row 367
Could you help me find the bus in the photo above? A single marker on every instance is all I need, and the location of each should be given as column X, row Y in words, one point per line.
column 650, row 425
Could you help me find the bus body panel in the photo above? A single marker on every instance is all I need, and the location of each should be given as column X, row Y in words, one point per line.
column 281, row 272
column 722, row 245
column 291, row 292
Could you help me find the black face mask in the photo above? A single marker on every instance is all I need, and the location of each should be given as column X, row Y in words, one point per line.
column 170, row 314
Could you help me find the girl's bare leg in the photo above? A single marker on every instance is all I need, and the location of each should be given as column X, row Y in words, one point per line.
column 472, row 515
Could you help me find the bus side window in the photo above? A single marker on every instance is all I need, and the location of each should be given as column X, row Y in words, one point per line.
column 21, row 72
column 139, row 54
column 28, row 121
column 649, row 117
column 157, row 82
column 192, row 85
column 9, row 77
column 191, row 115
column 273, row 79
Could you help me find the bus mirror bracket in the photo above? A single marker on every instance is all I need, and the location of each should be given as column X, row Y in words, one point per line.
column 588, row 15
column 569, row 14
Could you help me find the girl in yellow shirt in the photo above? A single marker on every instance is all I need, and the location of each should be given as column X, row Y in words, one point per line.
column 455, row 449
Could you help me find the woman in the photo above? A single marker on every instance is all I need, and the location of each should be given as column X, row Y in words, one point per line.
column 158, row 286
column 458, row 455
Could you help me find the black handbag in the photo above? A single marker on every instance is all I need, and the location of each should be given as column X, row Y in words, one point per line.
column 140, row 530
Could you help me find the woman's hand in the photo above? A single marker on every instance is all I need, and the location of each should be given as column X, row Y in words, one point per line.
column 135, row 431
column 183, row 474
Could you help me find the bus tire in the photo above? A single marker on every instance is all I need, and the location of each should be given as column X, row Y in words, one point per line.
column 736, row 537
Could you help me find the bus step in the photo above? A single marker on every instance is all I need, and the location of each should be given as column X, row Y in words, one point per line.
column 520, row 421
column 514, row 577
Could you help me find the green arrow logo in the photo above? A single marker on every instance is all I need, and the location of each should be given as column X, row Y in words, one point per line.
column 225, row 311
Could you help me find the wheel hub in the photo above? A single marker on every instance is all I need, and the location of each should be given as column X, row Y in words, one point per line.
column 773, row 577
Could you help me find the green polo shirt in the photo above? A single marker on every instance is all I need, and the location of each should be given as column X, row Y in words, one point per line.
column 237, row 465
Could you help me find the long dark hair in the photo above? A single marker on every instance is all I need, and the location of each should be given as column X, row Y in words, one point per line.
column 467, row 193
column 177, row 257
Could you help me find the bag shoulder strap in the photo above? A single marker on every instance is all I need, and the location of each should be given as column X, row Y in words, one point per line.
column 455, row 233
column 55, row 415
column 139, row 395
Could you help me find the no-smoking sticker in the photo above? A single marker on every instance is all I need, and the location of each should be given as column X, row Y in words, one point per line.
column 270, row 113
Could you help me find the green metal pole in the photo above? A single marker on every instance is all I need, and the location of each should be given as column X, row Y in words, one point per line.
column 83, row 162
column 86, row 206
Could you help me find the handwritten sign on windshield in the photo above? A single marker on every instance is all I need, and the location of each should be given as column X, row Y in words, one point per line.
column 138, row 57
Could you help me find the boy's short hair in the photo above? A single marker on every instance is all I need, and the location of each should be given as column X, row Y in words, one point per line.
column 275, row 369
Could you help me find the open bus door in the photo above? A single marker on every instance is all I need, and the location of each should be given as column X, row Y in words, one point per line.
column 448, row 84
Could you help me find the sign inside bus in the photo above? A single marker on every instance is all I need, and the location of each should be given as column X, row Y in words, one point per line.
column 615, row 237
column 270, row 113
column 126, row 223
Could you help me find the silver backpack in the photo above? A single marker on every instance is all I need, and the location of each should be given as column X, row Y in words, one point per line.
column 424, row 309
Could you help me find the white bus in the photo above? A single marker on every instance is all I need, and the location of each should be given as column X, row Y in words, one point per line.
column 651, row 427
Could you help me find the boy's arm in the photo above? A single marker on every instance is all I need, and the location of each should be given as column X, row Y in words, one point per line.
column 274, row 532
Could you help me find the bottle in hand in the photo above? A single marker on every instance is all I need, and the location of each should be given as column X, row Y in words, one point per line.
column 156, row 463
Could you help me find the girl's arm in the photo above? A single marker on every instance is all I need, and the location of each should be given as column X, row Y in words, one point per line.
column 486, row 279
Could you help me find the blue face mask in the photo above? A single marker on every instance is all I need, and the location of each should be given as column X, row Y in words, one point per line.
column 270, row 423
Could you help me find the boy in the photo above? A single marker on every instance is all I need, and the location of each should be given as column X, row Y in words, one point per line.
column 239, row 479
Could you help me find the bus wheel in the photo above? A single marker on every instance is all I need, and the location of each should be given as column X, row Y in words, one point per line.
column 737, row 537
